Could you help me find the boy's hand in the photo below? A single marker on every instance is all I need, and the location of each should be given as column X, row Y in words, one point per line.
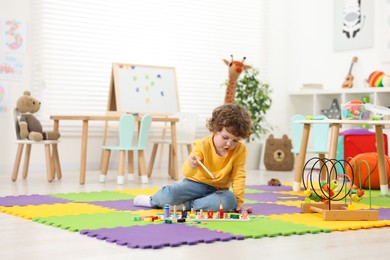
column 193, row 161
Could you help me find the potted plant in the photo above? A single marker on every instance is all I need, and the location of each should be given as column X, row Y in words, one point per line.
column 255, row 96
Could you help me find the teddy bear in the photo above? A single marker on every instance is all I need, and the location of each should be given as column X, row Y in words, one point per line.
column 278, row 155
column 30, row 127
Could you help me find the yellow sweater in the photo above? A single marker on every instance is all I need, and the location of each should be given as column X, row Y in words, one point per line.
column 228, row 170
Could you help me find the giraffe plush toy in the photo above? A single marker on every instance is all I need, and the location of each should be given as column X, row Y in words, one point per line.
column 235, row 69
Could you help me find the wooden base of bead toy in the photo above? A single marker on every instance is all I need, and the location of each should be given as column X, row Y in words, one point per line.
column 339, row 212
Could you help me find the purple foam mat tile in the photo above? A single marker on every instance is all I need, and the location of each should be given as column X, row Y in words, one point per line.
column 158, row 236
column 34, row 199
column 118, row 204
column 384, row 214
column 270, row 209
column 269, row 188
column 271, row 197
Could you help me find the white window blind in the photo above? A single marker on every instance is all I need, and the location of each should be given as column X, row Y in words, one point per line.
column 75, row 42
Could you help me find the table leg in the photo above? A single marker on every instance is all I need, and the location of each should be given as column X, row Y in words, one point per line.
column 335, row 129
column 300, row 160
column 56, row 125
column 175, row 174
column 381, row 160
column 84, row 143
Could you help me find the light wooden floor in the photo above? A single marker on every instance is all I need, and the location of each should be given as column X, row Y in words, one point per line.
column 22, row 239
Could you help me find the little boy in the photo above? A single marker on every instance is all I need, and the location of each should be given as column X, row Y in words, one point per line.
column 223, row 154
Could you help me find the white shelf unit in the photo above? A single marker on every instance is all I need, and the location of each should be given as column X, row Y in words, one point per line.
column 311, row 102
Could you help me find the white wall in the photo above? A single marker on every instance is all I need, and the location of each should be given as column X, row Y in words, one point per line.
column 70, row 147
column 300, row 42
column 10, row 9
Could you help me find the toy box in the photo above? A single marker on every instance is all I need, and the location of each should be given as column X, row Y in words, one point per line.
column 356, row 141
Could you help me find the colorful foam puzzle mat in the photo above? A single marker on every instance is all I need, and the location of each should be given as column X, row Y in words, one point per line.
column 112, row 217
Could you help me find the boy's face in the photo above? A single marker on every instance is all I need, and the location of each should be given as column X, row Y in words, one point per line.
column 225, row 141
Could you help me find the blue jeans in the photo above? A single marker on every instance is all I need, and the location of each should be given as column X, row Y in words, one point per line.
column 194, row 195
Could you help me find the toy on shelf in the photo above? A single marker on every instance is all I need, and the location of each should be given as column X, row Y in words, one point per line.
column 334, row 111
column 375, row 79
column 336, row 187
column 348, row 82
column 356, row 110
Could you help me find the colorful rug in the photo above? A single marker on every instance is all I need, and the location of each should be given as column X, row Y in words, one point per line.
column 111, row 216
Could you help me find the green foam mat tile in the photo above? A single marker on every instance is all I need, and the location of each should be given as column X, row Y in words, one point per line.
column 93, row 196
column 76, row 223
column 376, row 200
column 263, row 227
column 253, row 191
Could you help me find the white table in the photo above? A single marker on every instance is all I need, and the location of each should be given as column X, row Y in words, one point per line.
column 335, row 128
column 115, row 117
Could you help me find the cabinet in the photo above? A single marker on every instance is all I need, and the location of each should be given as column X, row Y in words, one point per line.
column 311, row 102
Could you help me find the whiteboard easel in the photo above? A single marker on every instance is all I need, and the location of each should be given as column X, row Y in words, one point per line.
column 143, row 89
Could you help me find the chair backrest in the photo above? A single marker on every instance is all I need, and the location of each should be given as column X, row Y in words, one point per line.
column 16, row 113
column 296, row 132
column 186, row 127
column 318, row 134
column 144, row 131
column 126, row 130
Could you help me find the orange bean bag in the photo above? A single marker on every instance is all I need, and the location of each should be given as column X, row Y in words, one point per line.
column 372, row 160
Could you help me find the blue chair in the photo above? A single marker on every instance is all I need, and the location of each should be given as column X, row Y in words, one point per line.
column 319, row 138
column 126, row 133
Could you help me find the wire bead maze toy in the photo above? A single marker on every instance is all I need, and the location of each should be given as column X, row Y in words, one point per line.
column 333, row 186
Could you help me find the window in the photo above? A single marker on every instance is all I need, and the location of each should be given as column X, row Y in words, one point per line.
column 74, row 44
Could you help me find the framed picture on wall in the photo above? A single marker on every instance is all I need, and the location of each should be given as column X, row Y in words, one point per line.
column 353, row 24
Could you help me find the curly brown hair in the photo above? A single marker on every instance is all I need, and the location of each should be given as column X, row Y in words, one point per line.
column 234, row 118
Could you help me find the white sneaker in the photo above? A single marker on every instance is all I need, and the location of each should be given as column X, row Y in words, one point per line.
column 142, row 200
column 102, row 178
column 130, row 177
column 120, row 180
column 144, row 179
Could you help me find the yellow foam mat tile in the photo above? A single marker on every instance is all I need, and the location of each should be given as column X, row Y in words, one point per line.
column 293, row 193
column 297, row 203
column 316, row 220
column 151, row 212
column 32, row 211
